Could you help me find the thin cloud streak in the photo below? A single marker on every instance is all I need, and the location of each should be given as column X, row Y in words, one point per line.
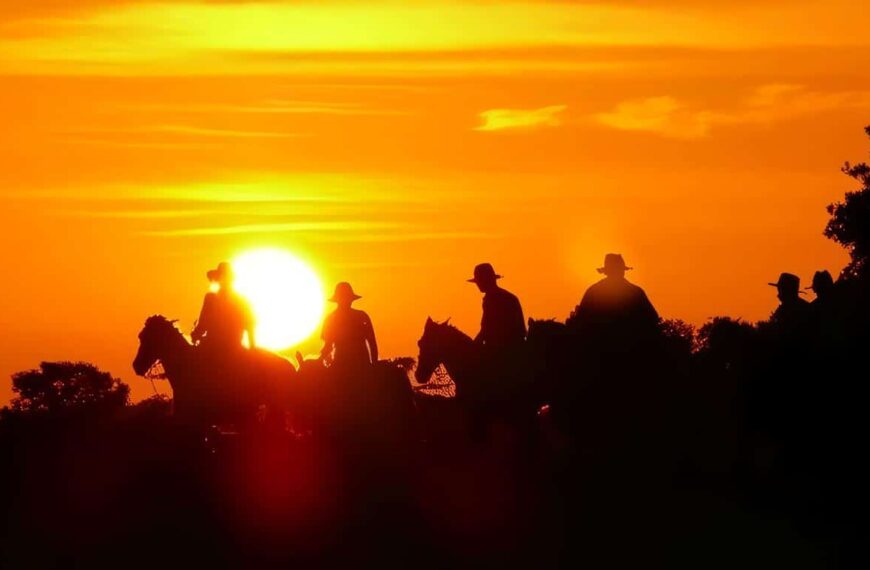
column 502, row 119
column 412, row 236
column 291, row 227
column 189, row 131
column 262, row 189
column 195, row 38
column 276, row 107
column 669, row 117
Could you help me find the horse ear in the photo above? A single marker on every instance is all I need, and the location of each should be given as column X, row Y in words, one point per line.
column 429, row 321
column 299, row 358
column 447, row 322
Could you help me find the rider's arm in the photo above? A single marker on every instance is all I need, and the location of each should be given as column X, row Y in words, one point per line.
column 370, row 337
column 483, row 324
column 328, row 342
column 250, row 324
column 202, row 323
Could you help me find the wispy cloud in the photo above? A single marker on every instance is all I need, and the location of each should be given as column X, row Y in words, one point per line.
column 223, row 133
column 289, row 227
column 670, row 117
column 193, row 131
column 501, row 119
column 252, row 193
column 206, row 38
column 405, row 236
column 138, row 214
column 663, row 115
column 276, row 107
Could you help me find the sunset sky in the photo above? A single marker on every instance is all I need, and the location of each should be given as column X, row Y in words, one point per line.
column 397, row 144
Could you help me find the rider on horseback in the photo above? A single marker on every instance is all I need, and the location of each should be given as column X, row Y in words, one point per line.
column 502, row 333
column 348, row 335
column 225, row 316
column 502, row 326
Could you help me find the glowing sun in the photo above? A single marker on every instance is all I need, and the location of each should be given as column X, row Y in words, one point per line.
column 285, row 294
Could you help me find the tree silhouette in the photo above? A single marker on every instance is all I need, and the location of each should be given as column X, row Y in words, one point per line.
column 850, row 220
column 56, row 387
column 679, row 334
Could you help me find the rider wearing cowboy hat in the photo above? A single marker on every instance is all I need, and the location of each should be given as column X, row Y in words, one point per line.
column 225, row 316
column 614, row 304
column 793, row 314
column 502, row 324
column 348, row 334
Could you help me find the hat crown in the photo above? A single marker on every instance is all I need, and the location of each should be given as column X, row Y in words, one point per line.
column 822, row 278
column 788, row 280
column 614, row 260
column 223, row 271
column 344, row 291
column 483, row 270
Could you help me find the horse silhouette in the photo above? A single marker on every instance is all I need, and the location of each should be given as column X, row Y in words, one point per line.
column 487, row 388
column 207, row 392
column 369, row 406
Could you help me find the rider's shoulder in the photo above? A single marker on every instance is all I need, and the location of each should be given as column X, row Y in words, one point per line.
column 360, row 314
column 506, row 295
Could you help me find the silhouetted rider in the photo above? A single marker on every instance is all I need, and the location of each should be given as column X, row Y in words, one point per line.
column 824, row 288
column 794, row 321
column 793, row 314
column 348, row 334
column 615, row 304
column 225, row 316
column 502, row 325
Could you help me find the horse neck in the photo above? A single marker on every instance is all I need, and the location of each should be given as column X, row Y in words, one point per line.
column 459, row 358
column 175, row 358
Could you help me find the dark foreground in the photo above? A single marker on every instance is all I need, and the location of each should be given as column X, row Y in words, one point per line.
column 136, row 491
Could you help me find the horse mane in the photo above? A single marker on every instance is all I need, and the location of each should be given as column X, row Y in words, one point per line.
column 451, row 329
column 546, row 324
column 159, row 322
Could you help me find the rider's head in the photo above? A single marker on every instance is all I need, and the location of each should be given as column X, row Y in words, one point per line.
column 222, row 275
column 614, row 266
column 485, row 277
column 344, row 295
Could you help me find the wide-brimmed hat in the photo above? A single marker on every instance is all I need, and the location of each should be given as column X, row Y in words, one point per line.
column 821, row 279
column 613, row 262
column 484, row 272
column 788, row 281
column 343, row 292
column 222, row 271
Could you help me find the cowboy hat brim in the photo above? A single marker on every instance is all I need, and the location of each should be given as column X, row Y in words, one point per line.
column 216, row 274
column 800, row 291
column 337, row 298
column 603, row 270
column 476, row 280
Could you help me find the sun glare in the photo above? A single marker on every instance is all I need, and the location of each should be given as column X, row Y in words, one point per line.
column 285, row 294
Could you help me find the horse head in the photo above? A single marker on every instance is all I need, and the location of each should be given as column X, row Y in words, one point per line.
column 440, row 343
column 157, row 340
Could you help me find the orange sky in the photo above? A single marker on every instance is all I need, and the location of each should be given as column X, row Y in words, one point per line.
column 396, row 144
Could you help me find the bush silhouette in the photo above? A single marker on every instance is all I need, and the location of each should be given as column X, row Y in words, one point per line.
column 850, row 220
column 57, row 387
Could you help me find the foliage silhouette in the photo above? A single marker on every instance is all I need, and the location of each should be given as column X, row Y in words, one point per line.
column 57, row 387
column 850, row 221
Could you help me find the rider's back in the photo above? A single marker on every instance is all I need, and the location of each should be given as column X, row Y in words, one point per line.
column 225, row 318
